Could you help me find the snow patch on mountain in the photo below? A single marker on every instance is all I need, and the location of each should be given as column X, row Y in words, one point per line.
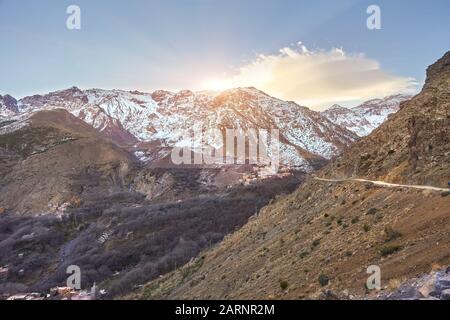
column 170, row 117
column 366, row 117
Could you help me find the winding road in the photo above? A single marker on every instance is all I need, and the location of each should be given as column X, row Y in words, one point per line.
column 386, row 184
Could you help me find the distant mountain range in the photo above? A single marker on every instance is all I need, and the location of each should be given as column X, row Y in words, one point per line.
column 152, row 123
column 363, row 119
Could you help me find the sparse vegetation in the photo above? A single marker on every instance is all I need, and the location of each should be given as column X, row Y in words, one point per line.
column 389, row 249
column 372, row 211
column 304, row 254
column 391, row 234
column 366, row 227
column 324, row 280
column 284, row 284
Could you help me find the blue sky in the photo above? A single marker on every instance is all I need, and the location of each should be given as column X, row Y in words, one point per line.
column 149, row 45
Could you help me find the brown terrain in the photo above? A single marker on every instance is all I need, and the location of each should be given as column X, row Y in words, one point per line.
column 318, row 241
column 55, row 159
column 72, row 196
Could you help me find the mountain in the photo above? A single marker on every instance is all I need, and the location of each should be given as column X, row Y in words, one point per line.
column 8, row 106
column 349, row 119
column 85, row 180
column 319, row 241
column 376, row 111
column 52, row 158
column 366, row 117
column 71, row 196
column 133, row 118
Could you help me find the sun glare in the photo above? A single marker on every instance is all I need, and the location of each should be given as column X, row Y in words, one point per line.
column 217, row 85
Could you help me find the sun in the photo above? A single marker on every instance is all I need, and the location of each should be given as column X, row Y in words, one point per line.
column 217, row 84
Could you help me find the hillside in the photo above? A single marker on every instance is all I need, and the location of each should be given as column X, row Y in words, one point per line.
column 71, row 196
column 318, row 241
column 53, row 158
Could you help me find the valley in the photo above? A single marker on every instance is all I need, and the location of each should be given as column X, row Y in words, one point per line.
column 87, row 179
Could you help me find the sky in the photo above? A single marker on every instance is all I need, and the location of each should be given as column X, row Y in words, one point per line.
column 316, row 53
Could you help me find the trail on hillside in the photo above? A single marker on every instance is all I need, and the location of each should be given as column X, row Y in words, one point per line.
column 385, row 184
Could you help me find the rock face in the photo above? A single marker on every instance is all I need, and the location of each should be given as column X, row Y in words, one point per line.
column 134, row 118
column 319, row 241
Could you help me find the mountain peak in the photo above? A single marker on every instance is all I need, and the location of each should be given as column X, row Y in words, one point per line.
column 336, row 107
column 8, row 105
column 438, row 74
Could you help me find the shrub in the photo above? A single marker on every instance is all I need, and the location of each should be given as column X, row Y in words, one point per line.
column 316, row 242
column 323, row 280
column 388, row 250
column 366, row 228
column 304, row 254
column 355, row 220
column 391, row 234
column 372, row 211
column 284, row 284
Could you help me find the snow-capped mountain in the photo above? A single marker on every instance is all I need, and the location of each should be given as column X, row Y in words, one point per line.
column 366, row 117
column 135, row 118
column 376, row 111
column 349, row 119
column 8, row 106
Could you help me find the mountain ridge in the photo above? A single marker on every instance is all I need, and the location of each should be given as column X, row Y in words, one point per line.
column 131, row 117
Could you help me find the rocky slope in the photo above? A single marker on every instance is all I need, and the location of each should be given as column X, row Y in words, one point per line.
column 52, row 158
column 319, row 241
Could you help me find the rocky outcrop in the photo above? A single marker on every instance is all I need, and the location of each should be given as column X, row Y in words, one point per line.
column 433, row 286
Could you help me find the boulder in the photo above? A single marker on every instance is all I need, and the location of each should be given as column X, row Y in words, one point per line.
column 427, row 288
column 445, row 295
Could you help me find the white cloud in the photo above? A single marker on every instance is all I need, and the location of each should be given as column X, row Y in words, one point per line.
column 317, row 78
